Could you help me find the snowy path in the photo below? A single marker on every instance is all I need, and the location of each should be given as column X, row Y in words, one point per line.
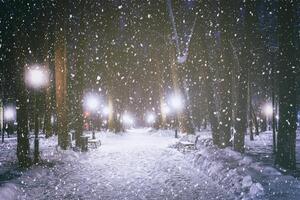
column 133, row 166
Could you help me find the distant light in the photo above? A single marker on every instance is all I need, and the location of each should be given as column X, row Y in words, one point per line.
column 92, row 102
column 150, row 118
column 127, row 119
column 52, row 119
column 268, row 109
column 165, row 109
column 106, row 111
column 9, row 114
column 176, row 102
column 37, row 76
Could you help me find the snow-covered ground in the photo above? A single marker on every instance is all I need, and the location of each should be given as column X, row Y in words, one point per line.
column 143, row 164
column 135, row 165
column 252, row 175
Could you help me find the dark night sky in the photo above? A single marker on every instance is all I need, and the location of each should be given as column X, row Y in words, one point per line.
column 133, row 27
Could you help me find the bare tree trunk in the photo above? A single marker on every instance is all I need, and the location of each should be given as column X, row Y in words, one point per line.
column 61, row 91
column 61, row 72
column 48, row 112
column 274, row 113
column 249, row 109
column 286, row 139
column 23, row 147
column 225, row 63
column 208, row 85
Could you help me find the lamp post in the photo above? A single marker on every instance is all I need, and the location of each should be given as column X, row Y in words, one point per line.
column 106, row 112
column 127, row 119
column 92, row 104
column 9, row 118
column 177, row 104
column 150, row 118
column 268, row 111
column 36, row 77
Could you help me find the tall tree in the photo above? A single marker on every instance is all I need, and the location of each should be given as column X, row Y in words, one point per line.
column 242, row 74
column 225, row 64
column 79, row 74
column 23, row 147
column 61, row 75
column 285, row 155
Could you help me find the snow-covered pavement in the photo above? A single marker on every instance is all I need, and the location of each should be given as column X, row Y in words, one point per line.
column 136, row 165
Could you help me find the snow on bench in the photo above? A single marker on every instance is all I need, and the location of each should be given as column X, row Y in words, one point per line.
column 186, row 143
column 94, row 143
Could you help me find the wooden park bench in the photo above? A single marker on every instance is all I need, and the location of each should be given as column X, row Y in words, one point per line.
column 190, row 144
column 94, row 143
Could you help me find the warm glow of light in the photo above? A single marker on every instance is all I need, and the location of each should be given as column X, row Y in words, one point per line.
column 176, row 102
column 127, row 119
column 268, row 109
column 165, row 109
column 9, row 114
column 52, row 119
column 37, row 76
column 150, row 118
column 92, row 102
column 106, row 111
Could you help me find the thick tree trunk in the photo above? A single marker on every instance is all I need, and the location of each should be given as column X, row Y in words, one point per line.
column 249, row 109
column 241, row 103
column 60, row 53
column 22, row 119
column 208, row 86
column 243, row 76
column 48, row 113
column 286, row 139
column 225, row 64
column 61, row 92
column 79, row 79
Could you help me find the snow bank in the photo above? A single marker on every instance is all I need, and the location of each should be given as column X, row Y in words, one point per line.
column 8, row 191
column 240, row 174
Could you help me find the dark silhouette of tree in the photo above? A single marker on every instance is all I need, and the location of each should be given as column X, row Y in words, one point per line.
column 61, row 71
column 286, row 139
column 248, row 38
column 226, row 20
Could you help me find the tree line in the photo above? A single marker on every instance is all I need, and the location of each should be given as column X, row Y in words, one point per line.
column 235, row 63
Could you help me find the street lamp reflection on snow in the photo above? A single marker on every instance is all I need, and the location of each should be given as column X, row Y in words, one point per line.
column 92, row 104
column 36, row 77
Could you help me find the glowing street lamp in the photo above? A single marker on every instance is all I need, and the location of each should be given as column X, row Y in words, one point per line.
column 36, row 77
column 9, row 114
column 150, row 118
column 9, row 117
column 127, row 119
column 177, row 103
column 92, row 104
column 106, row 111
column 268, row 111
column 165, row 109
